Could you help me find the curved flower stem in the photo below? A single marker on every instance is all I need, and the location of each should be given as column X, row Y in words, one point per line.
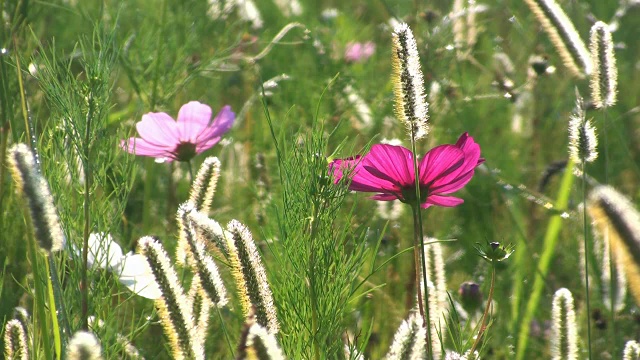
column 486, row 310
column 418, row 252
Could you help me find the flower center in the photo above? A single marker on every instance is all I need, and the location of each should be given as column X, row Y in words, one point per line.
column 409, row 194
column 185, row 151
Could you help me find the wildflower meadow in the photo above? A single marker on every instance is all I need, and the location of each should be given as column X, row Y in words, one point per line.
column 308, row 179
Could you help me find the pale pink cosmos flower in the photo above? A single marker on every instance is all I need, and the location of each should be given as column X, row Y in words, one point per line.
column 357, row 52
column 167, row 140
column 388, row 170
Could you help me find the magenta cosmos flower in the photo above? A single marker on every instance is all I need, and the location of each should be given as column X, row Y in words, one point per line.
column 165, row 139
column 357, row 52
column 388, row 170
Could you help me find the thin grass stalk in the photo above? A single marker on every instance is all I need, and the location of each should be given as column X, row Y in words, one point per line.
column 486, row 310
column 549, row 245
column 585, row 229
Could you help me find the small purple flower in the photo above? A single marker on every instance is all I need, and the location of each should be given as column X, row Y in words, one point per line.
column 388, row 170
column 167, row 140
column 358, row 52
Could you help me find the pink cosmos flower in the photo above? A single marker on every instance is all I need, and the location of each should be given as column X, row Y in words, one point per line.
column 357, row 52
column 388, row 170
column 165, row 139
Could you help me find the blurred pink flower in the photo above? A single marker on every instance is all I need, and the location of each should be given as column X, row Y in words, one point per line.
column 357, row 52
column 166, row 140
column 388, row 170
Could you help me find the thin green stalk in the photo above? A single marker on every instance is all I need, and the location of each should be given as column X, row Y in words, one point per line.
column 586, row 256
column 55, row 327
column 486, row 311
column 226, row 333
column 549, row 247
column 87, row 211
column 39, row 319
column 419, row 251
column 611, row 263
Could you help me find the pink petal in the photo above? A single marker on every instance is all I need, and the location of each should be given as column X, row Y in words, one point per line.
column 454, row 185
column 220, row 125
column 439, row 163
column 446, row 201
column 192, row 118
column 361, row 179
column 390, row 163
column 158, row 129
column 384, row 197
column 142, row 147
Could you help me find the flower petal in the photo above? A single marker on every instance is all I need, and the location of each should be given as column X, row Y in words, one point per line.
column 193, row 117
column 158, row 129
column 446, row 201
column 440, row 163
column 455, row 185
column 211, row 134
column 142, row 147
column 384, row 197
column 390, row 163
column 137, row 276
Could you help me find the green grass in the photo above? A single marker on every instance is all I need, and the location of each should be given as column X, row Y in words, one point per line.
column 338, row 270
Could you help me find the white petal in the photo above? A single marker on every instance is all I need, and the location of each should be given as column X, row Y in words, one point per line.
column 136, row 275
column 104, row 252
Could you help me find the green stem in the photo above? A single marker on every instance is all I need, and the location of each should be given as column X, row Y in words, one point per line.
column 586, row 257
column 419, row 251
column 226, row 333
column 611, row 263
column 486, row 311
column 39, row 319
column 86, row 167
column 549, row 245
column 55, row 327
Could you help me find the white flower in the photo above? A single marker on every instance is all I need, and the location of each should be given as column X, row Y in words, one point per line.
column 132, row 270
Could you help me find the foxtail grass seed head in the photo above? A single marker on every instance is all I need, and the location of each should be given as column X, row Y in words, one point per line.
column 631, row 351
column 411, row 106
column 409, row 340
column 204, row 186
column 583, row 142
column 438, row 298
column 564, row 337
column 201, row 305
column 15, row 341
column 260, row 344
column 84, row 346
column 563, row 35
column 614, row 290
column 613, row 214
column 174, row 308
column 34, row 188
column 604, row 78
column 251, row 277
column 209, row 232
column 201, row 262
column 360, row 107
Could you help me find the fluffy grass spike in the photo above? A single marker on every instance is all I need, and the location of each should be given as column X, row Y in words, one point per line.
column 411, row 106
column 563, row 35
column 201, row 263
column 438, row 298
column 174, row 308
column 204, row 186
column 251, row 277
column 612, row 294
column 409, row 340
column 613, row 214
column 84, row 346
column 583, row 142
column 631, row 350
column 564, row 330
column 604, row 78
column 209, row 232
column 201, row 305
column 258, row 343
column 34, row 188
column 15, row 341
